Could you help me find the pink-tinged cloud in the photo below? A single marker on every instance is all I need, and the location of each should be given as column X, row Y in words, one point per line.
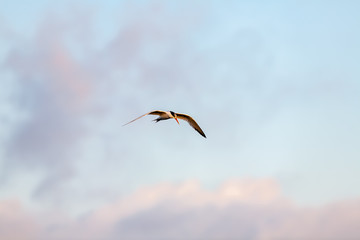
column 16, row 223
column 55, row 90
column 238, row 209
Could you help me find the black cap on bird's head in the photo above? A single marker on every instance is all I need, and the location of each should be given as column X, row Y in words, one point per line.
column 175, row 116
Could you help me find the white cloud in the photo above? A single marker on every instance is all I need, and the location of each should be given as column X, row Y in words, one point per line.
column 239, row 209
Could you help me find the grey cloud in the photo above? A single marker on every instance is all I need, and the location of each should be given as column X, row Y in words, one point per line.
column 54, row 90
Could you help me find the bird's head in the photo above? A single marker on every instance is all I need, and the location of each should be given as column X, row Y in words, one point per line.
column 175, row 116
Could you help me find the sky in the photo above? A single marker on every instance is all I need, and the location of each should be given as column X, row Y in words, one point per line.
column 274, row 85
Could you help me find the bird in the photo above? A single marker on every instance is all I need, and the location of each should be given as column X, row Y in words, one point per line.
column 170, row 114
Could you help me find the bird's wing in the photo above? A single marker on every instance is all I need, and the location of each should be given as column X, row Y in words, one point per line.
column 149, row 113
column 192, row 123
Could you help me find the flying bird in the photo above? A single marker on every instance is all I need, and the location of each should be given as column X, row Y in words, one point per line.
column 170, row 114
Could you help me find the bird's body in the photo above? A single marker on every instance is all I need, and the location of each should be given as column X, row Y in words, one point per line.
column 170, row 114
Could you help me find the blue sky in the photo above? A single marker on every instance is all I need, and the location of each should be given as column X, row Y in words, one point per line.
column 275, row 87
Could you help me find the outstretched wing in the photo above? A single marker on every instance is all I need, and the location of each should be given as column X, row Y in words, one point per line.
column 149, row 113
column 192, row 123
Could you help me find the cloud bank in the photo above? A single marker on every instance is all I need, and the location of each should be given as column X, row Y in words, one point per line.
column 238, row 209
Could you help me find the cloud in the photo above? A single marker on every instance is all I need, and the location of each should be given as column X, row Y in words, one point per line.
column 16, row 222
column 54, row 92
column 238, row 209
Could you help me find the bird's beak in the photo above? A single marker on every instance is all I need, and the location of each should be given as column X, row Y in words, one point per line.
column 177, row 121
